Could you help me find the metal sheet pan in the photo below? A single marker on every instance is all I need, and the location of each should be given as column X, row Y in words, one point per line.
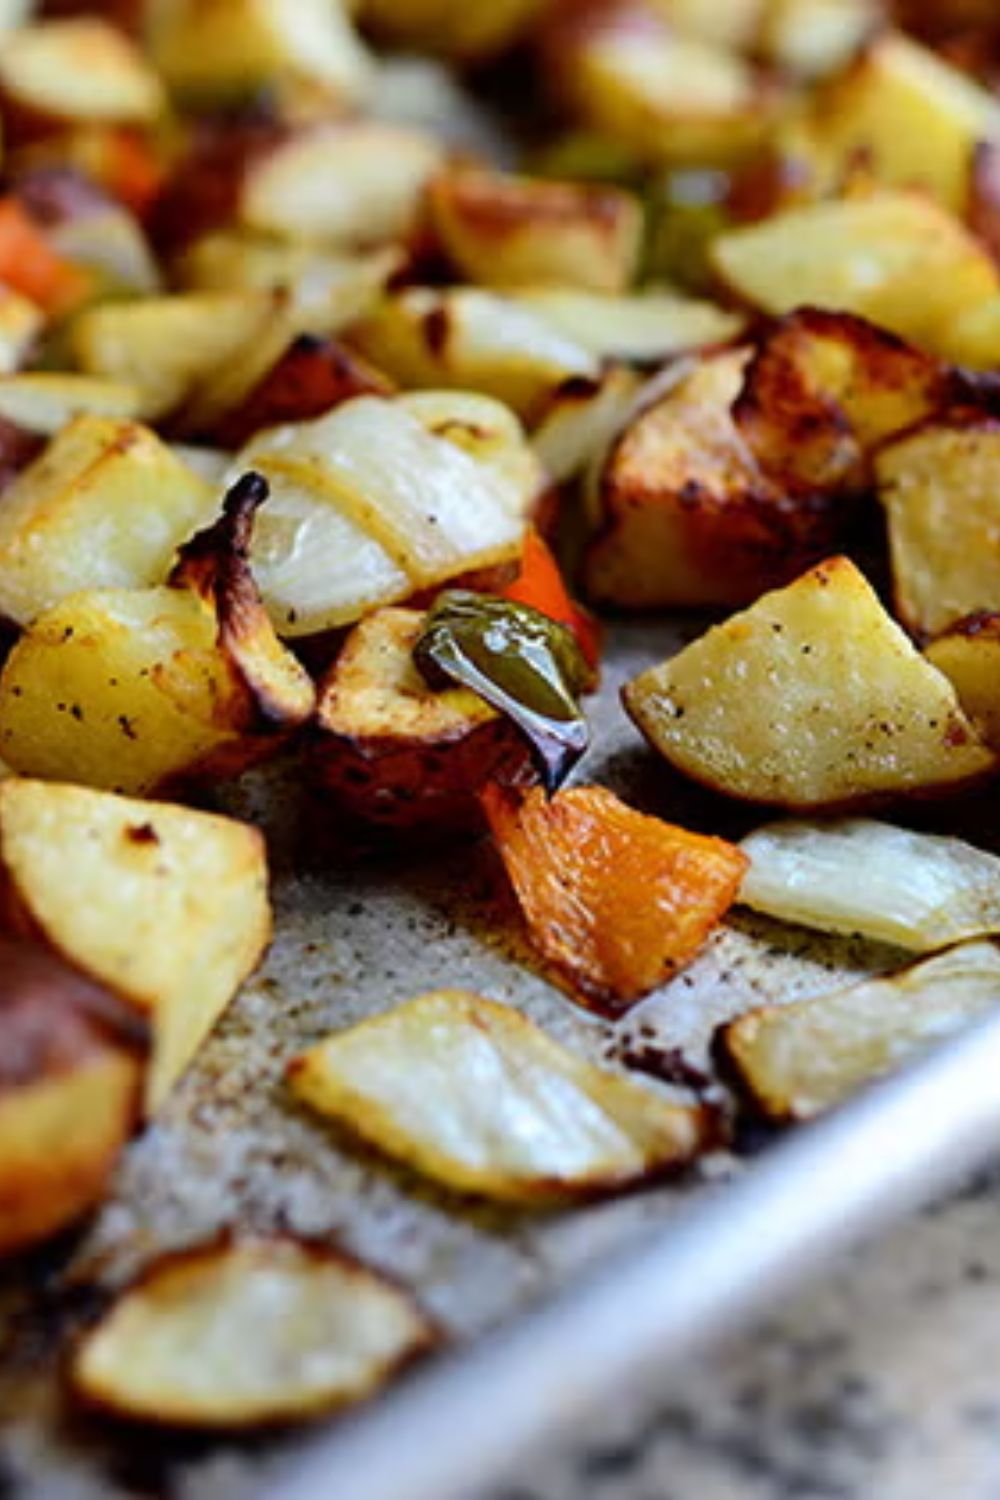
column 357, row 934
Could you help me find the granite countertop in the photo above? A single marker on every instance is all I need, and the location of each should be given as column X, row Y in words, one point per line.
column 880, row 1382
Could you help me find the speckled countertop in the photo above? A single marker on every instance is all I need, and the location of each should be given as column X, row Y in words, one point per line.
column 880, row 1382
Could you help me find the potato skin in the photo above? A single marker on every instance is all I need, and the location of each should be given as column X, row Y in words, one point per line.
column 70, row 1071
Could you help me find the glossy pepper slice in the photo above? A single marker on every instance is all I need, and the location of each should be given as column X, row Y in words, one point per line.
column 526, row 665
column 615, row 900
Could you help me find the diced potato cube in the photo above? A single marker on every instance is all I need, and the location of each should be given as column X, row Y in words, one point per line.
column 969, row 656
column 61, row 72
column 104, row 506
column 176, row 913
column 644, row 329
column 813, row 698
column 939, row 489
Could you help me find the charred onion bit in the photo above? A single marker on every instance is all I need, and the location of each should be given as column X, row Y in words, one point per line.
column 526, row 665
column 617, row 901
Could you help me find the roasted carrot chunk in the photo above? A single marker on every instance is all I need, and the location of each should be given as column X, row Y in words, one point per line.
column 615, row 900
column 30, row 265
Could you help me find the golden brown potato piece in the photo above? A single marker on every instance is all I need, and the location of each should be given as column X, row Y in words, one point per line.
column 795, row 1061
column 166, row 345
column 71, row 520
column 477, row 1097
column 248, row 1333
column 644, row 328
column 70, row 1074
column 348, row 185
column 393, row 752
column 506, row 231
column 132, row 689
column 470, row 339
column 21, row 322
column 825, row 389
column 176, row 915
column 814, row 38
column 81, row 71
column 669, row 97
column 889, row 255
column 217, row 52
column 813, row 698
column 916, row 119
column 939, row 489
column 687, row 515
column 46, row 401
column 464, row 32
column 969, row 656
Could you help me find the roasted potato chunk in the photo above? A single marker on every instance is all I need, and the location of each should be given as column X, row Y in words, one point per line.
column 938, row 487
column 70, row 1073
column 472, row 340
column 916, row 119
column 166, row 345
column 643, row 329
column 475, row 1096
column 888, row 255
column 688, row 517
column 501, row 230
column 46, row 401
column 795, row 1061
column 969, row 656
column 248, row 1333
column 216, row 52
column 812, row 38
column 133, row 689
column 71, row 521
column 351, row 185
column 813, row 698
column 669, row 97
column 177, row 912
column 618, row 902
column 396, row 754
column 59, row 73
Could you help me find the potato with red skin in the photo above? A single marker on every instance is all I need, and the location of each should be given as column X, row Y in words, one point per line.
column 70, row 1074
column 393, row 752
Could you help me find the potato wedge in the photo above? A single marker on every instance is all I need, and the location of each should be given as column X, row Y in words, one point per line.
column 240, row 260
column 217, row 52
column 166, row 345
column 136, row 689
column 813, row 698
column 920, row 891
column 346, row 186
column 177, row 912
column 813, row 38
column 21, row 322
column 70, row 1074
column 70, row 521
column 58, row 73
column 969, row 656
column 916, row 118
column 644, row 329
column 396, row 754
column 891, row 256
column 938, row 488
column 247, row 1333
column 502, row 230
column 687, row 516
column 475, row 1096
column 46, row 401
column 616, row 901
column 472, row 340
column 795, row 1061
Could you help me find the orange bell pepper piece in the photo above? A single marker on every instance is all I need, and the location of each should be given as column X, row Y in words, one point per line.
column 615, row 900
column 540, row 583
column 131, row 171
column 30, row 266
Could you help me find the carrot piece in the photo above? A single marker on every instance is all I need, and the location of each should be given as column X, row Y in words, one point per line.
column 540, row 583
column 131, row 171
column 30, row 266
column 615, row 900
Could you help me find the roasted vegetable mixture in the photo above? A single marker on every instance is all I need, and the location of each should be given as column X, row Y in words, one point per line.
column 358, row 360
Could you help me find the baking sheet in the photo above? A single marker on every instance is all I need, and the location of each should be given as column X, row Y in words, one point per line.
column 356, row 934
